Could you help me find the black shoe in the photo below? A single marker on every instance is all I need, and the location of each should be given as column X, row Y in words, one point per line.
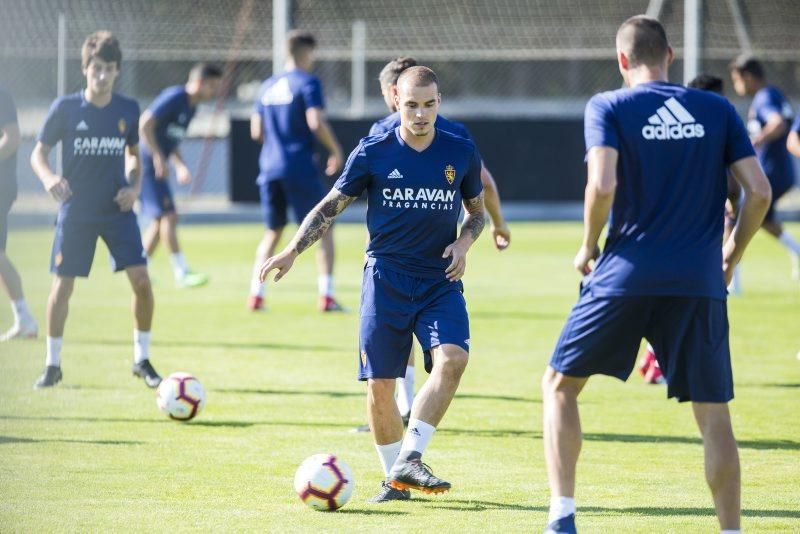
column 145, row 370
column 416, row 475
column 389, row 493
column 51, row 376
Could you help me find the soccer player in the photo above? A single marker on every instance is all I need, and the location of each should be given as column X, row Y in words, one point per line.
column 657, row 158
column 793, row 140
column 24, row 324
column 163, row 126
column 416, row 177
column 289, row 113
column 99, row 134
column 768, row 121
column 501, row 234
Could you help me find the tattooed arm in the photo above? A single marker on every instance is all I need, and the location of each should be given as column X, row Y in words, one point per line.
column 470, row 230
column 312, row 228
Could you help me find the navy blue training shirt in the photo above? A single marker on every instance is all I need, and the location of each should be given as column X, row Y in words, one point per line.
column 288, row 150
column 392, row 121
column 173, row 113
column 665, row 231
column 8, row 166
column 93, row 142
column 773, row 156
column 414, row 198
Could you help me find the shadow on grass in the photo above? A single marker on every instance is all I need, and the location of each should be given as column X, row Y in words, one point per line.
column 11, row 439
column 361, row 511
column 787, row 386
column 464, row 505
column 756, row 444
column 361, row 394
column 221, row 345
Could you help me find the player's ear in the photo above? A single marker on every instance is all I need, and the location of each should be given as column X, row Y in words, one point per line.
column 670, row 56
column 622, row 59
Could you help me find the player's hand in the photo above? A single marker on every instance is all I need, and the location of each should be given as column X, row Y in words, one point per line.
column 160, row 166
column 183, row 174
column 126, row 198
column 59, row 189
column 583, row 258
column 283, row 262
column 335, row 163
column 458, row 265
column 501, row 236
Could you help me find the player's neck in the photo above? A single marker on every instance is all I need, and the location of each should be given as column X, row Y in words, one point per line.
column 291, row 65
column 194, row 97
column 99, row 100
column 646, row 74
column 417, row 142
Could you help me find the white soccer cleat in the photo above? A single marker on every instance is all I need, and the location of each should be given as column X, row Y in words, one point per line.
column 27, row 329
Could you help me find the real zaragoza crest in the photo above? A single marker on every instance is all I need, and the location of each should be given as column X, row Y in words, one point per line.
column 450, row 174
column 121, row 125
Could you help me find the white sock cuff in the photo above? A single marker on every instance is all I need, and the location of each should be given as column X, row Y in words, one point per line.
column 54, row 351
column 325, row 285
column 141, row 346
column 19, row 306
column 561, row 507
column 388, row 454
column 737, row 531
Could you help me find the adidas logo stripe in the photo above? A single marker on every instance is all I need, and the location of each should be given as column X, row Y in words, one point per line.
column 394, row 175
column 672, row 121
column 82, row 126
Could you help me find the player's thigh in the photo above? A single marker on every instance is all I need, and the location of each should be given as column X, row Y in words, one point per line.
column 601, row 336
column 274, row 204
column 303, row 195
column 386, row 324
column 442, row 319
column 74, row 243
column 124, row 241
column 156, row 196
column 690, row 339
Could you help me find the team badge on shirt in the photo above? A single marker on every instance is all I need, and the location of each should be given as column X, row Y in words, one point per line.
column 121, row 125
column 450, row 174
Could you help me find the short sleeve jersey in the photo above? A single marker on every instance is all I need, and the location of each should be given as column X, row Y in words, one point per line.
column 173, row 113
column 414, row 198
column 392, row 121
column 773, row 156
column 288, row 149
column 665, row 231
column 8, row 166
column 93, row 142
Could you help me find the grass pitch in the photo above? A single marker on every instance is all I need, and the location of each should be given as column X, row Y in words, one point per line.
column 94, row 453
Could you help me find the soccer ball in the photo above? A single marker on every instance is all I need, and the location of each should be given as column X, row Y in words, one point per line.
column 181, row 396
column 324, row 482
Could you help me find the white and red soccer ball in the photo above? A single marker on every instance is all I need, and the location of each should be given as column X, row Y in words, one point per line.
column 324, row 482
column 181, row 396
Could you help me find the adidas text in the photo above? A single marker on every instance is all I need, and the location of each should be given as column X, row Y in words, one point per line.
column 674, row 131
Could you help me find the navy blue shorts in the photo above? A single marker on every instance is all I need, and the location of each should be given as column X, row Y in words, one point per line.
column 394, row 307
column 278, row 195
column 689, row 335
column 777, row 193
column 156, row 195
column 6, row 200
column 75, row 241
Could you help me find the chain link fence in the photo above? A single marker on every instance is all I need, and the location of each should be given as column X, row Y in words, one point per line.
column 495, row 58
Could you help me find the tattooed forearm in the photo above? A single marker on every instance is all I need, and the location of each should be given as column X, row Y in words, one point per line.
column 320, row 219
column 476, row 217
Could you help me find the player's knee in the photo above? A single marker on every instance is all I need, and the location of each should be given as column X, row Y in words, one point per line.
column 453, row 360
column 381, row 390
column 554, row 382
column 140, row 283
column 61, row 289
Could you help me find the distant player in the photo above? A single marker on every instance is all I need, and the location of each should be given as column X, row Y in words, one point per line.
column 793, row 140
column 416, row 178
column 658, row 156
column 289, row 114
column 99, row 135
column 24, row 324
column 768, row 121
column 162, row 127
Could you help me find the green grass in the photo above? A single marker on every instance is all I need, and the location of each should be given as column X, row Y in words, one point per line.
column 94, row 453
